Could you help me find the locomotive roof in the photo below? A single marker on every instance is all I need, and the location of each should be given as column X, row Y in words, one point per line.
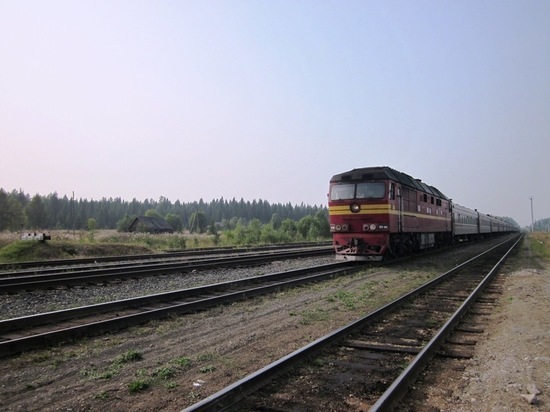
column 385, row 172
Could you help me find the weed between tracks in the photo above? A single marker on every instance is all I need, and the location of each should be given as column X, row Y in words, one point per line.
column 163, row 375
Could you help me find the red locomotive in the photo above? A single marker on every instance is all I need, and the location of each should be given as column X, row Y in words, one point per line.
column 379, row 211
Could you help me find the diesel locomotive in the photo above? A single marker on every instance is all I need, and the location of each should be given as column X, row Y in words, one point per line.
column 375, row 212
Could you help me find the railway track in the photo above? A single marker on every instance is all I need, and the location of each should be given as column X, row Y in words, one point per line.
column 11, row 282
column 371, row 362
column 58, row 264
column 36, row 331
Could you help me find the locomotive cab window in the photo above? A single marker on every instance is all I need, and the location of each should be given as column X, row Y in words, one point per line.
column 347, row 191
column 342, row 191
column 370, row 190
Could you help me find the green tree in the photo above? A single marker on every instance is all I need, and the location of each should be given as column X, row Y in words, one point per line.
column 91, row 224
column 269, row 234
column 153, row 213
column 3, row 210
column 212, row 228
column 36, row 213
column 254, row 231
column 240, row 234
column 123, row 224
column 14, row 214
column 288, row 230
column 175, row 221
column 197, row 222
column 304, row 225
column 275, row 221
column 321, row 218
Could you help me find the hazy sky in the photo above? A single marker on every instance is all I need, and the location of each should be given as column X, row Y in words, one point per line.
column 269, row 99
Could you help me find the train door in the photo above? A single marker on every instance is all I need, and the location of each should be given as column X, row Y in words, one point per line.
column 399, row 210
column 394, row 191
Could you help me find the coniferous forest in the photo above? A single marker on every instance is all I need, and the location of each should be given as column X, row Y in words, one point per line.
column 20, row 211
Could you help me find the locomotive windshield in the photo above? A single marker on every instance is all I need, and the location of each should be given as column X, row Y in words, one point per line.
column 348, row 191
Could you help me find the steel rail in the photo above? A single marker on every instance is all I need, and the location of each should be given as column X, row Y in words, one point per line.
column 107, row 264
column 275, row 281
column 231, row 395
column 397, row 390
column 12, row 284
column 162, row 255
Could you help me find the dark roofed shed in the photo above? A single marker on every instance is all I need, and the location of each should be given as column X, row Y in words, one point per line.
column 150, row 224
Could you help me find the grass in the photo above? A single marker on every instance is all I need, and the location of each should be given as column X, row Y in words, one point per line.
column 165, row 373
column 68, row 244
column 207, row 357
column 114, row 368
column 74, row 244
column 346, row 298
column 183, row 361
column 171, row 385
column 103, row 395
column 138, row 385
column 540, row 244
column 314, row 315
column 129, row 356
column 26, row 250
column 143, row 379
column 207, row 369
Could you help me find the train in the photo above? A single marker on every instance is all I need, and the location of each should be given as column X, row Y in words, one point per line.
column 378, row 212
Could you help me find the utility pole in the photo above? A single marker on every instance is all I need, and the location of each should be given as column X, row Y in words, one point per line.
column 532, row 216
column 73, row 213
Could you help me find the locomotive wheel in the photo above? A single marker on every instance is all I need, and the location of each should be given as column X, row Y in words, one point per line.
column 398, row 249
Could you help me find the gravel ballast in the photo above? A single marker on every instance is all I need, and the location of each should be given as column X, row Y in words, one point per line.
column 40, row 301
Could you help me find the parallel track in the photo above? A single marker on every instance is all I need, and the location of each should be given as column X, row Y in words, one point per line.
column 30, row 332
column 17, row 281
column 39, row 266
column 373, row 360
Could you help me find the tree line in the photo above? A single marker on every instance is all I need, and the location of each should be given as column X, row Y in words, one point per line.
column 542, row 225
column 20, row 211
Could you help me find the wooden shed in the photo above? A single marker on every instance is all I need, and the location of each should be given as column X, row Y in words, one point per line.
column 150, row 224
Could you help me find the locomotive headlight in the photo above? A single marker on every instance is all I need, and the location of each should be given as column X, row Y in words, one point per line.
column 355, row 208
column 339, row 228
column 372, row 226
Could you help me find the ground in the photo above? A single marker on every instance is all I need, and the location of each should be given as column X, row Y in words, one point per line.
column 511, row 367
column 166, row 366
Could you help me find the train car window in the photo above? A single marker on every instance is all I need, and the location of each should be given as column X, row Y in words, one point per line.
column 392, row 191
column 342, row 192
column 370, row 190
